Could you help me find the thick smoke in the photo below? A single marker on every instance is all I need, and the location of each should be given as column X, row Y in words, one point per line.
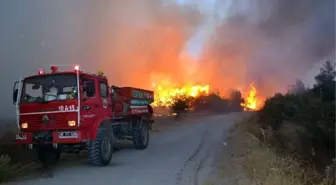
column 270, row 43
column 145, row 40
column 138, row 42
column 127, row 39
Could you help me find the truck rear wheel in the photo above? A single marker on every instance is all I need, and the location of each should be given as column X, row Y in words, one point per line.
column 141, row 136
column 100, row 150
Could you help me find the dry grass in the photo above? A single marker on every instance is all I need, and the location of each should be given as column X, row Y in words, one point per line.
column 264, row 167
column 248, row 161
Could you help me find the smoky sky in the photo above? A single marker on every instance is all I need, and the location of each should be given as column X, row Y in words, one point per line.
column 270, row 43
column 313, row 22
column 127, row 39
column 39, row 33
column 267, row 42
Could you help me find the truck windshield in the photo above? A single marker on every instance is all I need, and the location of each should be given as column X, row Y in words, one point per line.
column 48, row 88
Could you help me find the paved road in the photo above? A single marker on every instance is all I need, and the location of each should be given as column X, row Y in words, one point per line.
column 180, row 156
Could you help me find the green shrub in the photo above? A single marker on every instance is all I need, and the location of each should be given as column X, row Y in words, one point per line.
column 271, row 113
column 7, row 170
column 313, row 110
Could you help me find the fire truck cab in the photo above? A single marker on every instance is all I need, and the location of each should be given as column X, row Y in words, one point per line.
column 69, row 111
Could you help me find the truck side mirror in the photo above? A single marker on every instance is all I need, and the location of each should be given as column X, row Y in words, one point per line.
column 15, row 92
column 15, row 95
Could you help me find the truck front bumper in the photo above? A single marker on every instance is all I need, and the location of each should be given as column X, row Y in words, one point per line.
column 53, row 137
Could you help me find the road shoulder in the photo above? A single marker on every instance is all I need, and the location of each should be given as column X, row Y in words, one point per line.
column 206, row 161
column 228, row 166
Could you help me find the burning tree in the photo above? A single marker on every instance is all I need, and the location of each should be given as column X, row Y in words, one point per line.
column 236, row 101
column 212, row 102
column 197, row 96
column 250, row 102
column 181, row 103
column 166, row 94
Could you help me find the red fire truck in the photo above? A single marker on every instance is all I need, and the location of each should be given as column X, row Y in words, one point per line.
column 69, row 111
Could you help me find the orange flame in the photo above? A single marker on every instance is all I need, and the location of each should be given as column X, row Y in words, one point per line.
column 251, row 100
column 166, row 92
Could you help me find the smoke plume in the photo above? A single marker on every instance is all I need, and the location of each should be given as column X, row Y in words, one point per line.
column 270, row 43
column 138, row 42
column 127, row 39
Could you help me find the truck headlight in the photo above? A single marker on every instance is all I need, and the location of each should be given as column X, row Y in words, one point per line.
column 24, row 125
column 71, row 123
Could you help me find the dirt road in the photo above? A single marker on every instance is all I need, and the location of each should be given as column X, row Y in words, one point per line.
column 180, row 156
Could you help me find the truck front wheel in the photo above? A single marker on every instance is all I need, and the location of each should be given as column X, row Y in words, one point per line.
column 100, row 150
column 141, row 136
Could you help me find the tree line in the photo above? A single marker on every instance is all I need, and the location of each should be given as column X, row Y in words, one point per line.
column 301, row 123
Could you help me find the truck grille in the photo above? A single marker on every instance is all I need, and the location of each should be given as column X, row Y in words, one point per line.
column 50, row 121
column 42, row 137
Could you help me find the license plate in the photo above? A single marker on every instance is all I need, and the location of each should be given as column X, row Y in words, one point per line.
column 67, row 134
column 21, row 137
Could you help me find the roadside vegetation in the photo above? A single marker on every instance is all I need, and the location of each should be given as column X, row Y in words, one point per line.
column 290, row 141
column 7, row 170
column 13, row 158
column 250, row 160
column 211, row 103
column 301, row 123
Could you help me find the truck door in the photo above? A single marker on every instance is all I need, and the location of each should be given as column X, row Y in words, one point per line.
column 90, row 102
column 105, row 100
column 117, row 103
column 17, row 88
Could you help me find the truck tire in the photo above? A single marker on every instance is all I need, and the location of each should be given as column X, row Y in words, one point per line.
column 100, row 150
column 141, row 136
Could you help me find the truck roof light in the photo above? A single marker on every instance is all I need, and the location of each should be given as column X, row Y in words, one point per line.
column 100, row 72
column 40, row 71
column 54, row 68
column 76, row 67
